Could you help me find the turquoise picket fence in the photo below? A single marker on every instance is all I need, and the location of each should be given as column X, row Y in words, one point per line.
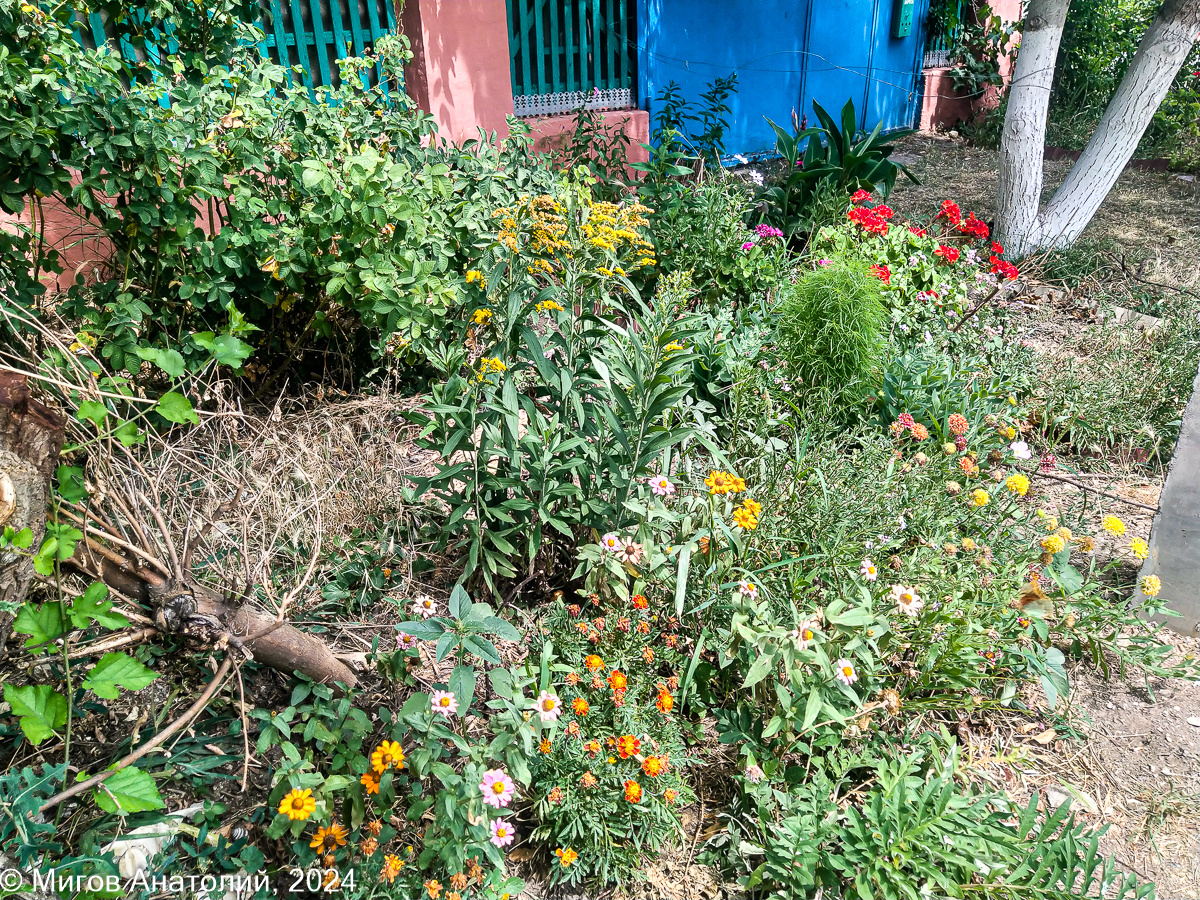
column 306, row 37
column 564, row 49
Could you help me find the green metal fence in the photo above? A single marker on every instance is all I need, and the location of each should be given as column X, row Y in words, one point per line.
column 565, row 52
column 305, row 35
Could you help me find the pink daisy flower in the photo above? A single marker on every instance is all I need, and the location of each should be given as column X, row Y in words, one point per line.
column 611, row 542
column 661, row 487
column 498, row 789
column 444, row 703
column 502, row 833
column 548, row 707
column 405, row 641
column 748, row 589
column 868, row 571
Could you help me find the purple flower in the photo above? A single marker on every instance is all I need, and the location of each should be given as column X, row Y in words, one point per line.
column 748, row 245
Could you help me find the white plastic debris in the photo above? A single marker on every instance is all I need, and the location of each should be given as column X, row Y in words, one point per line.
column 136, row 848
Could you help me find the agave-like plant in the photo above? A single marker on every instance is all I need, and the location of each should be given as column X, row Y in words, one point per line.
column 827, row 160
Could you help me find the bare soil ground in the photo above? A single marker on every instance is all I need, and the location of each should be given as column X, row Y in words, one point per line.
column 1138, row 771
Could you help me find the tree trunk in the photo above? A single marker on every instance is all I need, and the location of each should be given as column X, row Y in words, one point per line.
column 1161, row 53
column 31, row 436
column 1023, row 140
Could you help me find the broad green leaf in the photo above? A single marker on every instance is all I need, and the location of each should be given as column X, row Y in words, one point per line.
column 130, row 790
column 117, row 670
column 41, row 709
column 169, row 361
column 91, row 411
column 94, row 606
column 462, row 685
column 760, row 669
column 70, row 483
column 175, row 407
column 42, row 623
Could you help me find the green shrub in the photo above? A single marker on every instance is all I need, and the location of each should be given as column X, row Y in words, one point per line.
column 830, row 326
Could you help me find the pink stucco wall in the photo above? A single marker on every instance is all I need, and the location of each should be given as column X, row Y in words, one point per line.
column 461, row 65
column 550, row 133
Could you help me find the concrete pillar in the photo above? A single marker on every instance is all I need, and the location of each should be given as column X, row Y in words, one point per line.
column 461, row 67
column 1175, row 537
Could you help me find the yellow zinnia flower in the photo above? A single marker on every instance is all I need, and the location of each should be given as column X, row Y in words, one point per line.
column 298, row 805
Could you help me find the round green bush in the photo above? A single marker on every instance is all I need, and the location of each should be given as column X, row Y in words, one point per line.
column 830, row 325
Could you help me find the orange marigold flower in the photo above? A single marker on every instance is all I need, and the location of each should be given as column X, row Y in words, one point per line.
column 617, row 680
column 588, row 780
column 392, row 864
column 670, row 795
column 648, row 654
column 375, row 826
column 566, row 856
column 593, row 663
column 920, row 432
column 654, row 766
column 628, row 745
column 544, row 746
column 580, row 706
column 433, row 887
column 555, row 796
column 592, row 747
column 572, row 678
column 665, row 702
column 633, row 791
column 369, row 846
column 572, row 729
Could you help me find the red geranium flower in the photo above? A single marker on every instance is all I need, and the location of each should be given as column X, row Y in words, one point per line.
column 859, row 196
column 949, row 254
column 883, row 273
column 950, row 212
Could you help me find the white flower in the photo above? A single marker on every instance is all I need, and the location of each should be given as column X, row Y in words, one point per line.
column 424, row 607
column 1020, row 450
column 907, row 600
column 630, row 553
column 548, row 707
column 845, row 672
column 748, row 589
column 804, row 634
column 868, row 570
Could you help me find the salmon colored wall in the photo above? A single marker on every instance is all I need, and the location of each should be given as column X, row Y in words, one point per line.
column 83, row 250
column 461, row 67
column 944, row 107
column 550, row 133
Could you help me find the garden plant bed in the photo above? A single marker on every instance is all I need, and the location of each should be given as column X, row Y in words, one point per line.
column 455, row 522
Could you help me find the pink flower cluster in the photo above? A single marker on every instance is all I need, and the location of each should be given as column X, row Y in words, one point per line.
column 766, row 231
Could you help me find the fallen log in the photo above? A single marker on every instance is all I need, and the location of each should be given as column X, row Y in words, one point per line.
column 31, row 438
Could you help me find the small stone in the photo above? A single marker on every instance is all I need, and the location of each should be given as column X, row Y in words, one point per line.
column 1194, row 721
column 1054, row 798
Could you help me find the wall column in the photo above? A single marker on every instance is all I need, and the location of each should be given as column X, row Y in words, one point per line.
column 461, row 69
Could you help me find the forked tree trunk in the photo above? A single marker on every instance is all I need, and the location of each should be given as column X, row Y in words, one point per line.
column 1163, row 49
column 1023, row 140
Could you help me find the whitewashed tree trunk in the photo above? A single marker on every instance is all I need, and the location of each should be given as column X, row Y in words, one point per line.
column 1164, row 48
column 1023, row 139
column 1162, row 51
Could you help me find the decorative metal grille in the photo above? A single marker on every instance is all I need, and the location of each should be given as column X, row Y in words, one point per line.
column 569, row 101
column 564, row 50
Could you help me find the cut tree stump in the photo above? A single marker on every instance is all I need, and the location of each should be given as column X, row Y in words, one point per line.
column 31, row 436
